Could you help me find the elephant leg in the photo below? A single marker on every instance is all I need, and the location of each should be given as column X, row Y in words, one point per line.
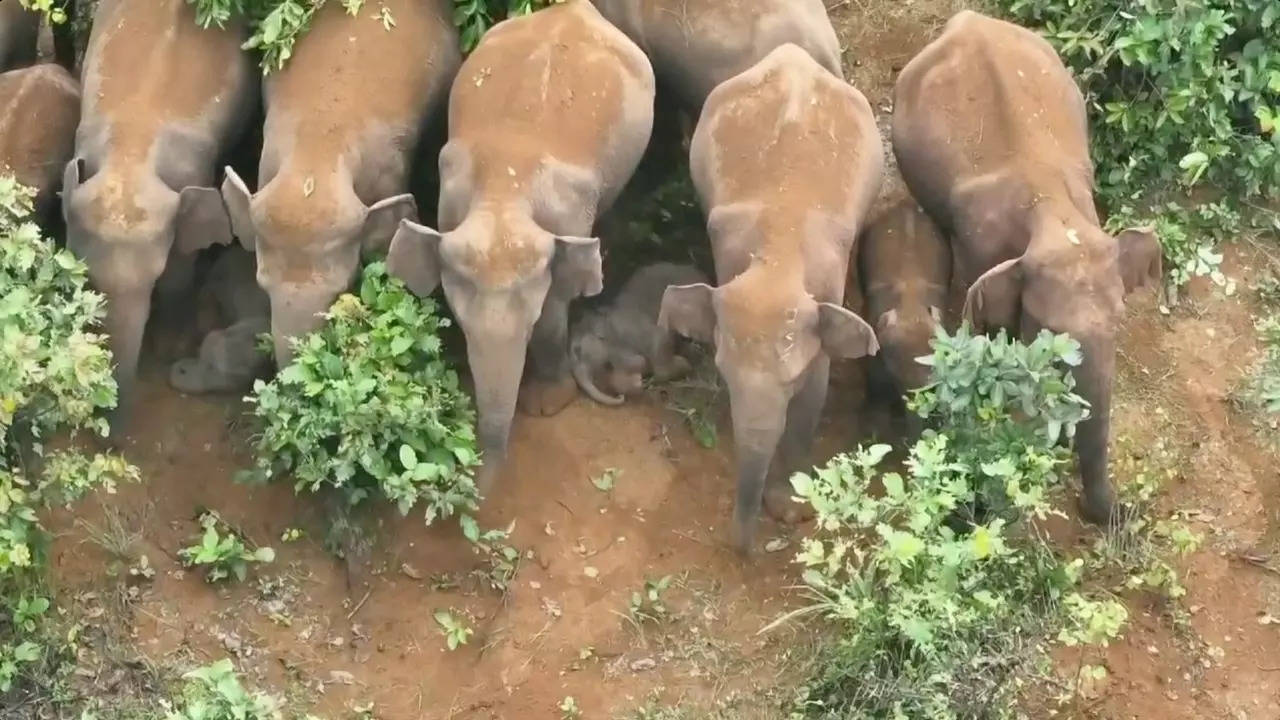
column 551, row 386
column 173, row 321
column 667, row 365
column 803, row 414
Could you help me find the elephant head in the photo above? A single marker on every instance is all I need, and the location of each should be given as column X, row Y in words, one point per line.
column 126, row 224
column 502, row 274
column 773, row 348
column 1077, row 286
column 904, row 336
column 309, row 235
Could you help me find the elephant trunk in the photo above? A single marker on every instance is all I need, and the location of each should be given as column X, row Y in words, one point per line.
column 295, row 312
column 497, row 365
column 582, row 375
column 758, row 420
column 1094, row 380
column 125, row 323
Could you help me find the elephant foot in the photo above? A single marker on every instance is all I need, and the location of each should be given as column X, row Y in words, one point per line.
column 780, row 506
column 542, row 398
column 487, row 477
column 1105, row 511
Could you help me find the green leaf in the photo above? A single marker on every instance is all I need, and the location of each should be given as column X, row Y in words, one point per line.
column 408, row 458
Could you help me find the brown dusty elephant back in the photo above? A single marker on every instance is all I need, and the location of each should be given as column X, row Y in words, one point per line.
column 148, row 69
column 961, row 114
column 39, row 110
column 19, row 30
column 569, row 110
column 697, row 44
column 790, row 142
column 349, row 79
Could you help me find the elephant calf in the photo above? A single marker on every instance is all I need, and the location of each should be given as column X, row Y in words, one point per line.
column 990, row 132
column 547, row 122
column 904, row 268
column 229, row 359
column 622, row 342
column 786, row 160
column 39, row 111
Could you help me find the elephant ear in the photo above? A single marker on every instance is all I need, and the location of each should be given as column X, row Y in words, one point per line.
column 202, row 220
column 578, row 264
column 1141, row 259
column 844, row 334
column 236, row 195
column 690, row 311
column 414, row 257
column 996, row 298
column 382, row 221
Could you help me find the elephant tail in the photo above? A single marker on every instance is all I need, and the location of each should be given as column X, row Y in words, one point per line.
column 583, row 378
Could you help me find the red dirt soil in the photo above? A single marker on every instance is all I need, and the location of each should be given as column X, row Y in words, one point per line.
column 562, row 629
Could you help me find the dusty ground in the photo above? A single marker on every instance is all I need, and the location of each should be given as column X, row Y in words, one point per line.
column 562, row 628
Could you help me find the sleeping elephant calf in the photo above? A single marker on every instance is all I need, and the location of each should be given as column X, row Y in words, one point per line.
column 163, row 100
column 787, row 161
column 547, row 121
column 990, row 132
column 39, row 111
column 343, row 120
column 229, row 359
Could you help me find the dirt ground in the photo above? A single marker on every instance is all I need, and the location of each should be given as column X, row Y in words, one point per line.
column 563, row 628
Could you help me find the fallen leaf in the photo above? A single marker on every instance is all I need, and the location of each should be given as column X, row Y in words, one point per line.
column 776, row 545
column 591, row 572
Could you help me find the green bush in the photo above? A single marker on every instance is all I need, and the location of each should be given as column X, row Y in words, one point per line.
column 370, row 408
column 942, row 589
column 55, row 376
column 1182, row 95
column 214, row 692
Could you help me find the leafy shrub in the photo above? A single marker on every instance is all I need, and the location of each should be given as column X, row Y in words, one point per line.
column 55, row 375
column 221, row 551
column 1182, row 95
column 942, row 589
column 369, row 406
column 214, row 692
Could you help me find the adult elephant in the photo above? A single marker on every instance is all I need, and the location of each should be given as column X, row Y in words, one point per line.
column 786, row 160
column 162, row 101
column 344, row 119
column 547, row 121
column 695, row 45
column 990, row 132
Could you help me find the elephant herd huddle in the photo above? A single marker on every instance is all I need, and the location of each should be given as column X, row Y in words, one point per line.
column 547, row 121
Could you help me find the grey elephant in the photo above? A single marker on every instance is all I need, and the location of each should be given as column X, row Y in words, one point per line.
column 39, row 112
column 697, row 44
column 19, row 32
column 990, row 132
column 232, row 312
column 538, row 148
column 617, row 345
column 344, row 118
column 162, row 100
column 786, row 160
column 904, row 270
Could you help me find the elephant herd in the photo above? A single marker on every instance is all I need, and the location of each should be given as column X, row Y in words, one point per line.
column 548, row 119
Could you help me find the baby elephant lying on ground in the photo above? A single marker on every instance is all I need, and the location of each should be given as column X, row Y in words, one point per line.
column 229, row 360
column 619, row 343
